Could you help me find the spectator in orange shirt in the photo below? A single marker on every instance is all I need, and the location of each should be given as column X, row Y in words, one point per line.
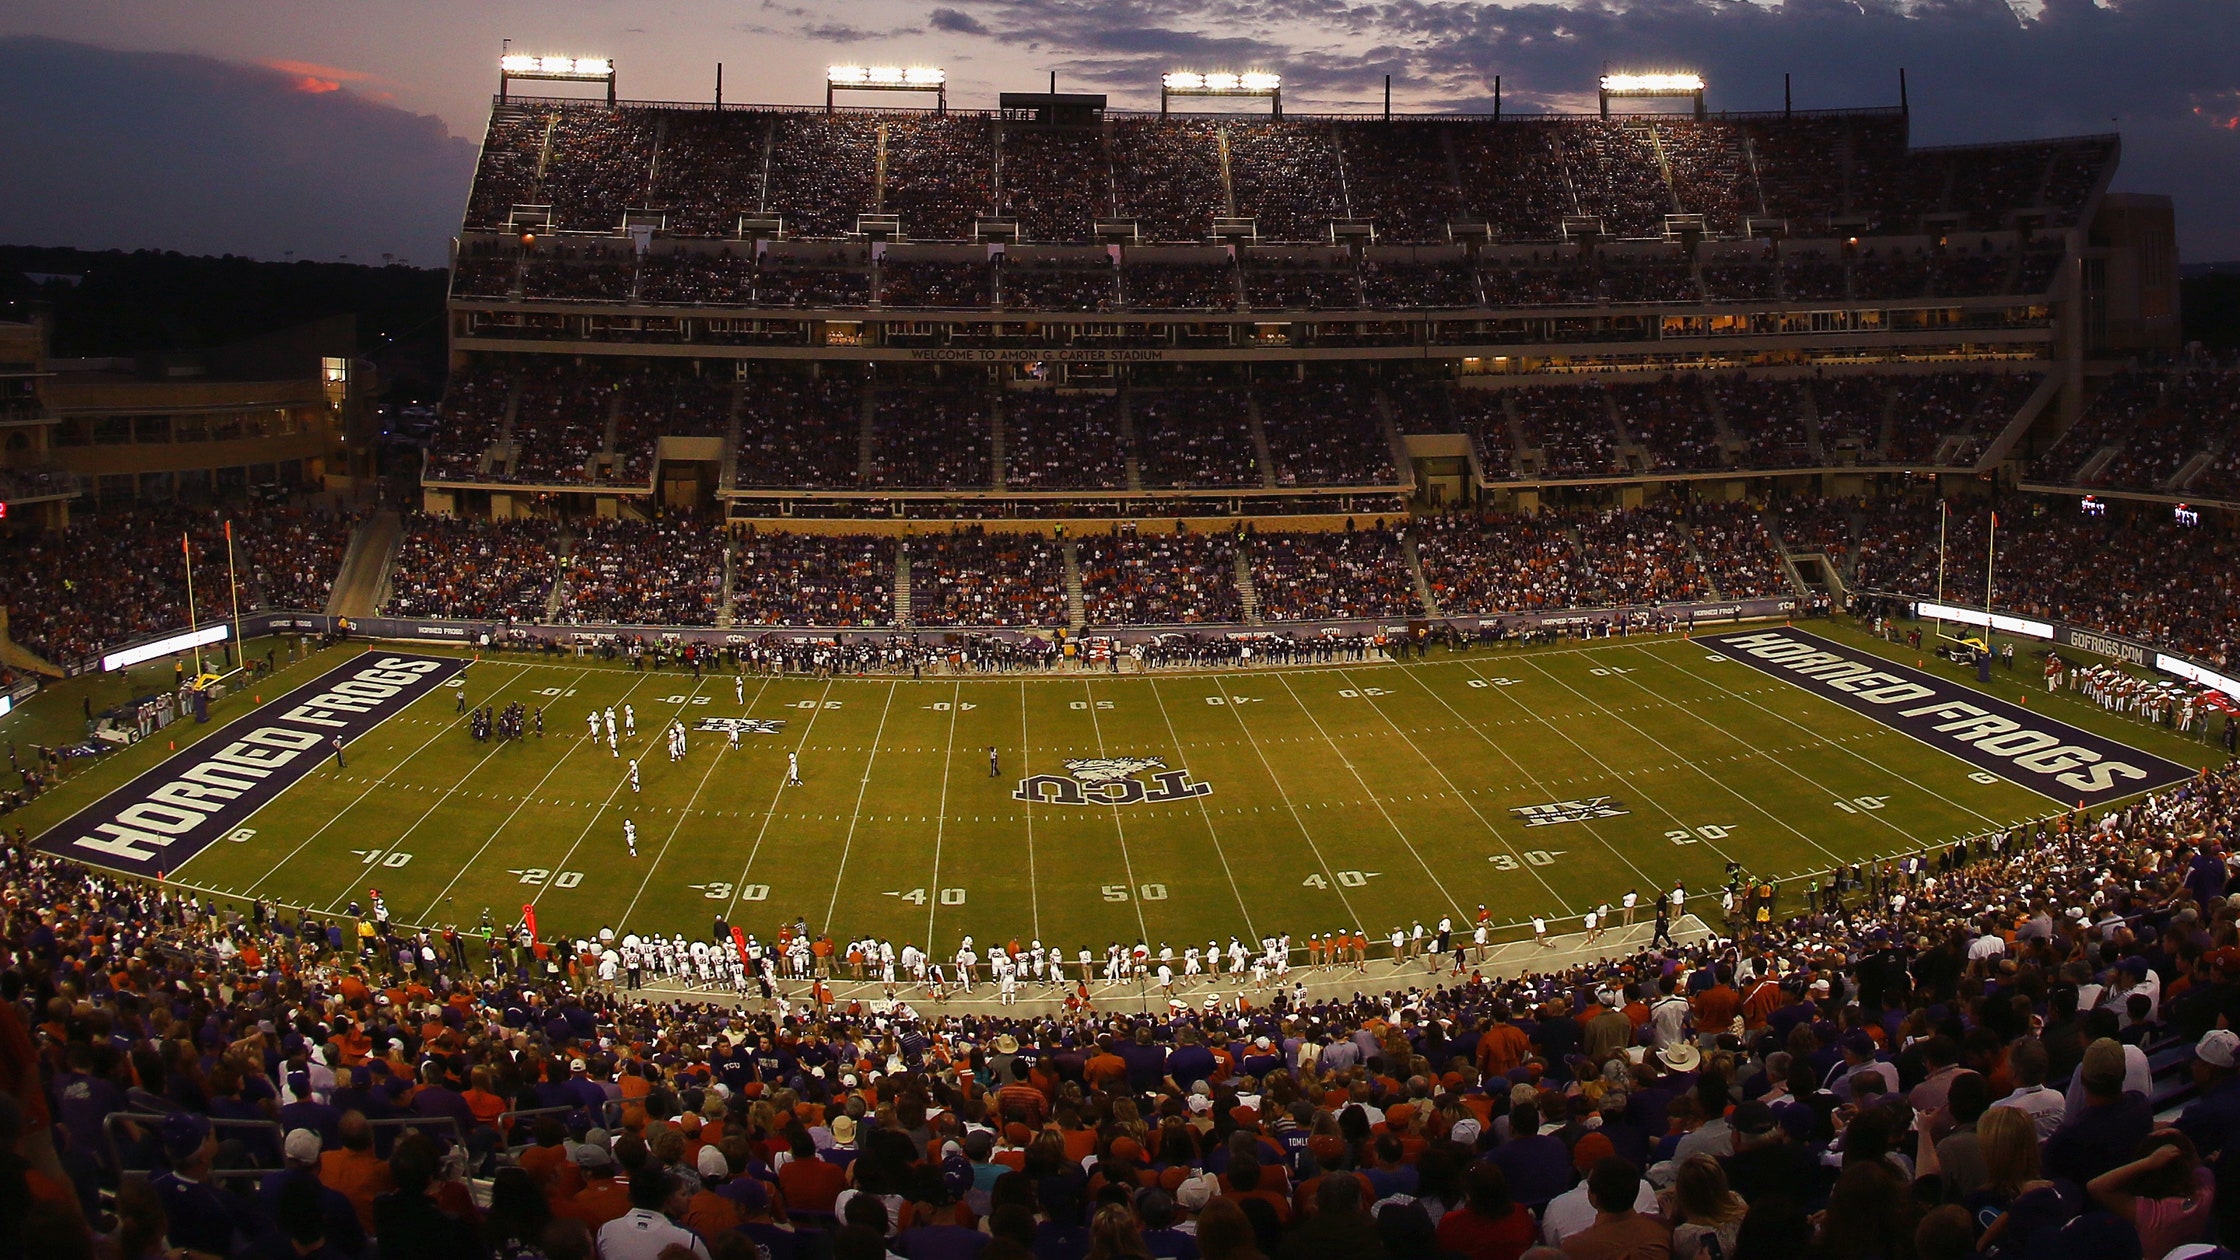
column 354, row 1171
column 603, row 1197
column 1502, row 1046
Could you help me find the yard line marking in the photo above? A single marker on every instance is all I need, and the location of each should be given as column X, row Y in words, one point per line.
column 443, row 726
column 1815, row 734
column 1120, row 828
column 1607, row 768
column 1539, row 784
column 1464, row 797
column 1207, row 814
column 1328, row 872
column 613, row 793
column 1373, row 798
column 1877, row 815
column 682, row 816
column 772, row 811
column 1034, row 891
column 940, row 819
column 468, row 865
column 1702, row 773
column 864, row 785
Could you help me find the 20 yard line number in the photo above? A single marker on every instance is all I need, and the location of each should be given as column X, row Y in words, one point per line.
column 540, row 875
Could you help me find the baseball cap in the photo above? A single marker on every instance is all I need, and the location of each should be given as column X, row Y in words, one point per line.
column 712, row 1163
column 183, row 1134
column 1194, row 1194
column 1752, row 1118
column 2103, row 1061
column 302, row 1147
column 1590, row 1149
column 2218, row 1047
column 588, row 1156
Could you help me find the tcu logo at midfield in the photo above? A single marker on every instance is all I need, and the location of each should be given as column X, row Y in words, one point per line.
column 1110, row 781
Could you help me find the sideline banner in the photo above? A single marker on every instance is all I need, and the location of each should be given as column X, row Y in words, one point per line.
column 2049, row 757
column 155, row 823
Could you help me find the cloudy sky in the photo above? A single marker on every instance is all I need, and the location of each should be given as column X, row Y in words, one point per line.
column 325, row 128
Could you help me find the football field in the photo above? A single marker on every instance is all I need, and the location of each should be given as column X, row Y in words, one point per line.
column 1167, row 807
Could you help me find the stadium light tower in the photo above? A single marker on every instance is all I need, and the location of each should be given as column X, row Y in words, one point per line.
column 888, row 79
column 1192, row 83
column 1658, row 86
column 562, row 69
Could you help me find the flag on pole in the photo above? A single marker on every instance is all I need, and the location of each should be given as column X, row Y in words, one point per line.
column 529, row 920
column 739, row 942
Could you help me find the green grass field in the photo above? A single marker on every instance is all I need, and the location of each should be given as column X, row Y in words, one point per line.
column 1367, row 796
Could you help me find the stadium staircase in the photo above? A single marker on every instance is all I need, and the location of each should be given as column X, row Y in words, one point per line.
column 1733, row 446
column 1415, row 573
column 1695, row 553
column 1247, row 593
column 995, row 444
column 562, row 547
column 866, row 443
column 17, row 657
column 729, row 478
column 1128, row 439
column 1889, row 426
column 2194, row 467
column 1260, row 440
column 904, row 618
column 1077, row 614
column 724, row 619
column 1635, row 455
column 1808, row 413
column 607, row 454
column 1789, row 561
column 362, row 581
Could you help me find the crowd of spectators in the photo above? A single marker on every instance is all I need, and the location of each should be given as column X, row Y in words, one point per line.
column 1850, row 411
column 800, row 432
column 1484, row 415
column 1194, row 438
column 1397, row 177
column 598, row 162
column 822, row 172
column 1167, row 176
column 1323, row 576
column 1810, row 524
column 506, row 174
column 2193, row 409
column 1402, row 285
column 1813, row 277
column 1710, row 170
column 560, row 418
column 718, row 277
column 1972, row 406
column 1659, row 276
column 663, row 398
column 1564, row 277
column 1285, row 176
column 1068, row 441
column 1739, row 554
column 1766, row 414
column 1312, row 284
column 1641, row 555
column 930, row 438
column 1671, row 421
column 634, row 572
column 973, row 578
column 1171, row 286
column 935, row 283
column 1570, row 426
column 1484, row 565
column 1058, row 287
column 474, row 415
column 601, row 271
column 940, row 173
column 1325, row 431
column 449, row 566
column 1141, row 578
column 1055, row 182
column 1614, row 172
column 120, row 573
column 780, row 579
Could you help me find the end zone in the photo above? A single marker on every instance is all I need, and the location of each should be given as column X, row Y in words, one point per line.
column 2052, row 758
column 162, row 819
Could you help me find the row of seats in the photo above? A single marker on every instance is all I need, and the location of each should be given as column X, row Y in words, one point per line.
column 703, row 171
column 1327, row 430
column 1318, row 280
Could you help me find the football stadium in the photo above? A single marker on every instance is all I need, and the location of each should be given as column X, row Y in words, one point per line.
column 1579, row 621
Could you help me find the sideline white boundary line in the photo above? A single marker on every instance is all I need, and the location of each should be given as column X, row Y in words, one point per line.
column 274, row 869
